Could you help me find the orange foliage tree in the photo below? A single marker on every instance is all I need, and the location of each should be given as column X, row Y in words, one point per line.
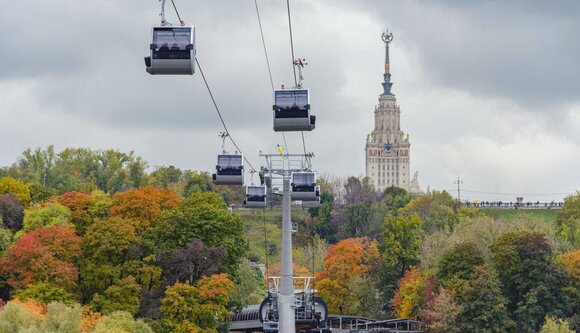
column 34, row 307
column 346, row 261
column 571, row 263
column 143, row 205
column 90, row 319
column 43, row 255
column 79, row 204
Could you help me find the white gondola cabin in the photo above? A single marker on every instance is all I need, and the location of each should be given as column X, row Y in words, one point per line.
column 255, row 197
column 312, row 204
column 172, row 51
column 229, row 170
column 304, row 186
column 292, row 110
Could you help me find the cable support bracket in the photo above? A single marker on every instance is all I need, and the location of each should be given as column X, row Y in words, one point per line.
column 300, row 63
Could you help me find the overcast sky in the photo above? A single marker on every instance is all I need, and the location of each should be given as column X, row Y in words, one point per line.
column 489, row 90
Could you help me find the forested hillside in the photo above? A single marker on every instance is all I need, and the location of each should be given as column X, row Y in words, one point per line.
column 96, row 241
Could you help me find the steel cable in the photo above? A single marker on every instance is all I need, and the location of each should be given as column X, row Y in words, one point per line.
column 220, row 115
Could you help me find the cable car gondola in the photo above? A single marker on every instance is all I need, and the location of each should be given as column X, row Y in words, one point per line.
column 312, row 204
column 172, row 51
column 229, row 170
column 255, row 196
column 304, row 186
column 292, row 110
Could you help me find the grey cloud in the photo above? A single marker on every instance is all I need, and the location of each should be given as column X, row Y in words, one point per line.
column 97, row 71
column 525, row 51
column 73, row 74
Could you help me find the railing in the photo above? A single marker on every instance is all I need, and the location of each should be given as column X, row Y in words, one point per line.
column 301, row 284
column 514, row 205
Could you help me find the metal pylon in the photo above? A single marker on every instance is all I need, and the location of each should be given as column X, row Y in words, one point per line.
column 282, row 166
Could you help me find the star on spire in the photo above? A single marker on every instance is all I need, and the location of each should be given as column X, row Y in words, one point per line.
column 387, row 38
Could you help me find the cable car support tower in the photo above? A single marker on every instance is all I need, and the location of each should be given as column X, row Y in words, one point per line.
column 279, row 168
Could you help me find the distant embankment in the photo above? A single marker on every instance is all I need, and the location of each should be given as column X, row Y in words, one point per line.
column 514, row 205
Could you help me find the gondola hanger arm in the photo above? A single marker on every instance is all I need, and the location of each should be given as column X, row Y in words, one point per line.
column 162, row 14
column 224, row 136
column 300, row 63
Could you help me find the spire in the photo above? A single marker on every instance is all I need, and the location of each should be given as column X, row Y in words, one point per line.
column 387, row 38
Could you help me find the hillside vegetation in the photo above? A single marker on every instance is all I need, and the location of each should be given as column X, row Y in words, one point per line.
column 90, row 241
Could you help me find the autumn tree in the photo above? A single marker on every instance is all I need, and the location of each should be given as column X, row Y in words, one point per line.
column 530, row 280
column 483, row 307
column 400, row 243
column 436, row 210
column 344, row 261
column 16, row 316
column 17, row 188
column 45, row 215
column 143, row 206
column 99, row 208
column 44, row 255
column 29, row 317
column 409, row 298
column 571, row 263
column 79, row 205
column 553, row 325
column 197, row 308
column 11, row 212
column 203, row 216
column 90, row 319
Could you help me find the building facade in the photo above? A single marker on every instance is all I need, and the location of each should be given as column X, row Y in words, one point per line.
column 388, row 150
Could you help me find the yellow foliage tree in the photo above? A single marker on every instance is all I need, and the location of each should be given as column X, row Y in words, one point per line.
column 18, row 188
column 571, row 262
column 410, row 296
column 197, row 308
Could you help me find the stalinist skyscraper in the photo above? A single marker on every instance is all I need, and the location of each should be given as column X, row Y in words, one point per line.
column 387, row 147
